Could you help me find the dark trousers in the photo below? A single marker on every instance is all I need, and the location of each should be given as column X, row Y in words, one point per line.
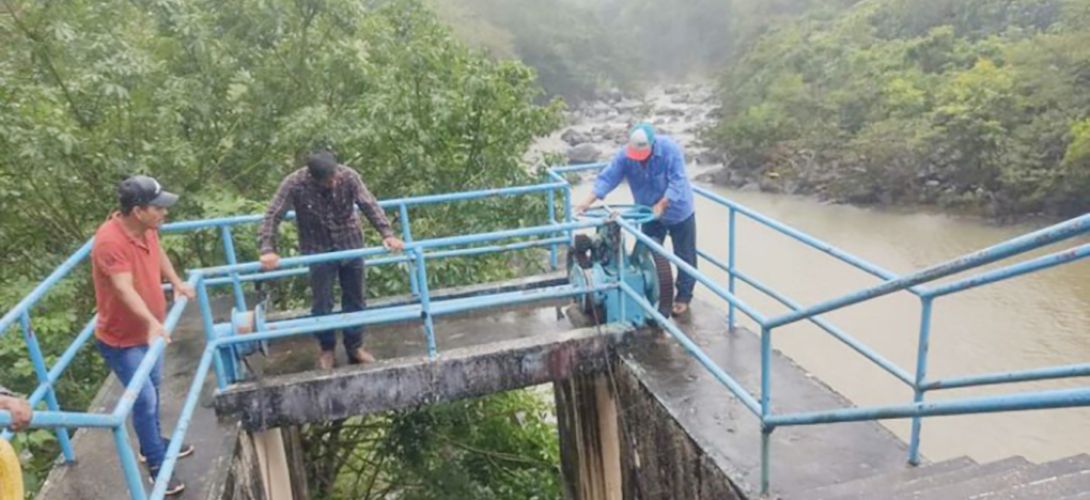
column 353, row 284
column 683, row 241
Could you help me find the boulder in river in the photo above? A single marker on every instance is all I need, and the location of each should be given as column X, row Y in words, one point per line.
column 584, row 153
column 574, row 137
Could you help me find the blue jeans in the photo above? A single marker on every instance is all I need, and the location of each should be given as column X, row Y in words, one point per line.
column 124, row 361
column 683, row 241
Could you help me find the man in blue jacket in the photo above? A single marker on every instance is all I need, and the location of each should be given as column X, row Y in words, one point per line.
column 655, row 170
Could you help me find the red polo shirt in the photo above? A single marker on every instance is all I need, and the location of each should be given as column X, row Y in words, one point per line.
column 115, row 251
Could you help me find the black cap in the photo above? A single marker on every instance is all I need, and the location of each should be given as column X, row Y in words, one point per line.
column 140, row 190
column 321, row 164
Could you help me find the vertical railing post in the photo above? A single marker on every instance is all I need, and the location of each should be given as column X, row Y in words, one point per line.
column 766, row 401
column 134, row 479
column 40, row 371
column 407, row 235
column 425, row 302
column 232, row 259
column 567, row 208
column 553, row 249
column 621, row 297
column 210, row 332
column 921, row 377
column 730, row 267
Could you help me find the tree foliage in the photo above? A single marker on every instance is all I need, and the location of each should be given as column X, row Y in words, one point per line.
column 975, row 103
column 218, row 99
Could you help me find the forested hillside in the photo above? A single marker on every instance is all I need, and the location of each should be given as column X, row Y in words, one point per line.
column 218, row 99
column 979, row 105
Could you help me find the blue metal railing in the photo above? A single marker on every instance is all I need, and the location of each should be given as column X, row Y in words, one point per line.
column 416, row 255
column 912, row 283
column 551, row 235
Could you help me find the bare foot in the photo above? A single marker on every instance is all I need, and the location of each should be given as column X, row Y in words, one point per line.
column 680, row 308
column 361, row 356
column 326, row 360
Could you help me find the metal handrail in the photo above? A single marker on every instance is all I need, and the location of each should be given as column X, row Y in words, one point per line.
column 60, row 421
column 892, row 283
column 417, row 254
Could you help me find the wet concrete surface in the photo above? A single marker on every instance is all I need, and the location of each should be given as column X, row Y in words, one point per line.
column 523, row 357
column 299, row 354
column 803, row 458
column 97, row 473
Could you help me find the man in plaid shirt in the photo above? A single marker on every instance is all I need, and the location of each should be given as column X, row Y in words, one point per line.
column 324, row 195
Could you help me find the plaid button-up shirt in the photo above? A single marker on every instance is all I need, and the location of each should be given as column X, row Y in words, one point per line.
column 326, row 217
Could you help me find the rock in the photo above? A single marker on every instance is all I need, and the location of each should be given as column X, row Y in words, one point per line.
column 750, row 187
column 601, row 108
column 721, row 176
column 618, row 135
column 707, row 158
column 584, row 153
column 671, row 112
column 574, row 137
column 628, row 105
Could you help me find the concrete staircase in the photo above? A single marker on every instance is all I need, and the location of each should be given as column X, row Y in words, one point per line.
column 962, row 478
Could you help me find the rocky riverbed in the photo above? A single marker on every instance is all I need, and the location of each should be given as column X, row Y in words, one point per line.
column 596, row 129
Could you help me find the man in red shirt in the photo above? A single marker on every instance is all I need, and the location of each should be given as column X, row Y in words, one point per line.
column 128, row 270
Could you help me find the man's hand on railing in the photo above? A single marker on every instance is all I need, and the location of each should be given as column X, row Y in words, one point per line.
column 20, row 411
column 183, row 289
column 393, row 244
column 156, row 330
column 270, row 261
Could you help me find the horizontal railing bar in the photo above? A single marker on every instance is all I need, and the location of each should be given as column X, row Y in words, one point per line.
column 432, row 199
column 833, row 330
column 579, row 167
column 1011, row 271
column 684, row 266
column 1065, row 398
column 250, row 267
column 182, row 226
column 1026, row 242
column 58, row 368
column 55, row 419
column 694, row 350
column 803, row 237
column 36, row 294
column 522, row 245
column 438, row 307
column 296, row 271
column 1067, row 371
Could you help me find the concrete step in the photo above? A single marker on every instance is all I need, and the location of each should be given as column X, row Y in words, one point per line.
column 935, row 480
column 1082, row 495
column 879, row 480
column 986, row 486
column 1068, row 486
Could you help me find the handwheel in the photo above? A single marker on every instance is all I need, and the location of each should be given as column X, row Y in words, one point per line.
column 636, row 214
column 658, row 278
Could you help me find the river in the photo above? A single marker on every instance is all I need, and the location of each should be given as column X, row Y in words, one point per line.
column 1033, row 321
